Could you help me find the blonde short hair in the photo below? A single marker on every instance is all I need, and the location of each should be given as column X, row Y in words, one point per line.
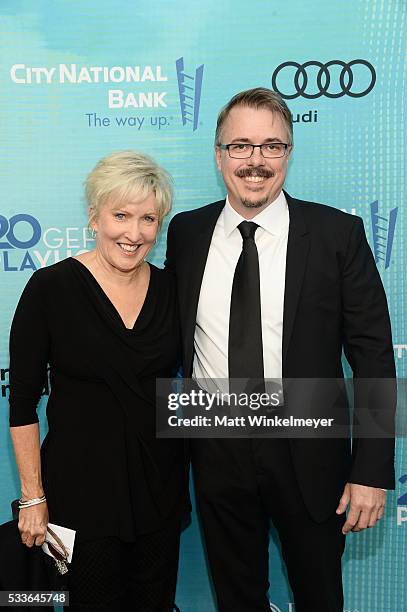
column 127, row 174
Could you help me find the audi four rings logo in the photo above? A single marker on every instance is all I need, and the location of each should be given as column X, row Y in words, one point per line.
column 353, row 85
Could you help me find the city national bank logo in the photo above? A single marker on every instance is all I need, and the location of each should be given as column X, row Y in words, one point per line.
column 332, row 80
column 402, row 504
column 189, row 88
column 25, row 246
column 383, row 233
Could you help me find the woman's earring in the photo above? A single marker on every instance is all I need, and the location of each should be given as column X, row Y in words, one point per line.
column 92, row 234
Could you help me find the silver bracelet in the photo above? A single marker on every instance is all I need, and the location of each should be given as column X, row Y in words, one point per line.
column 31, row 502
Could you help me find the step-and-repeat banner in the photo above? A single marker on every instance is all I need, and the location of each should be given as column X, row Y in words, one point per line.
column 79, row 80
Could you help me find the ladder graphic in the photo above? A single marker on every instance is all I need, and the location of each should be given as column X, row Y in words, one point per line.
column 402, row 500
column 383, row 233
column 189, row 88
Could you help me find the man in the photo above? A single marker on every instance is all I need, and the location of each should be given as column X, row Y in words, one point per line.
column 283, row 284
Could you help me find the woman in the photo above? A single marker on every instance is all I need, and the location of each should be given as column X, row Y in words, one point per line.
column 106, row 323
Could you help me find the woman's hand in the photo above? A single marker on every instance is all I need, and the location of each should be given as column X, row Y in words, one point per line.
column 32, row 524
column 33, row 521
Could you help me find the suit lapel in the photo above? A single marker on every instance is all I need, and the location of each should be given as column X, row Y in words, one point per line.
column 193, row 266
column 297, row 254
column 193, row 270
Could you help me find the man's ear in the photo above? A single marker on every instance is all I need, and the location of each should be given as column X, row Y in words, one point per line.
column 218, row 157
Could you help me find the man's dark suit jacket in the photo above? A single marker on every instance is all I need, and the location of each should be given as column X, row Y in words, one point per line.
column 333, row 301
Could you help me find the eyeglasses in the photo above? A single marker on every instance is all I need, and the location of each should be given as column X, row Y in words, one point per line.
column 244, row 150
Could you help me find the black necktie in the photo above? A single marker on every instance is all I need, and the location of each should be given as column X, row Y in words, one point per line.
column 245, row 339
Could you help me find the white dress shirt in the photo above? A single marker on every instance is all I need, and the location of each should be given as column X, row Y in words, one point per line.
column 212, row 321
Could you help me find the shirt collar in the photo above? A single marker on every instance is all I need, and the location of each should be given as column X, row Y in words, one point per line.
column 274, row 218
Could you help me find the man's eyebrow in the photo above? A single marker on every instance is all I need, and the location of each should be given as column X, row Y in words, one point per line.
column 240, row 140
column 273, row 139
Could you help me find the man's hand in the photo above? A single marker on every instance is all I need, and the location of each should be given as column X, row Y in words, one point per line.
column 366, row 506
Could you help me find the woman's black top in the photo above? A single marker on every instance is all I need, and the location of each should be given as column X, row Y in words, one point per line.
column 104, row 472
